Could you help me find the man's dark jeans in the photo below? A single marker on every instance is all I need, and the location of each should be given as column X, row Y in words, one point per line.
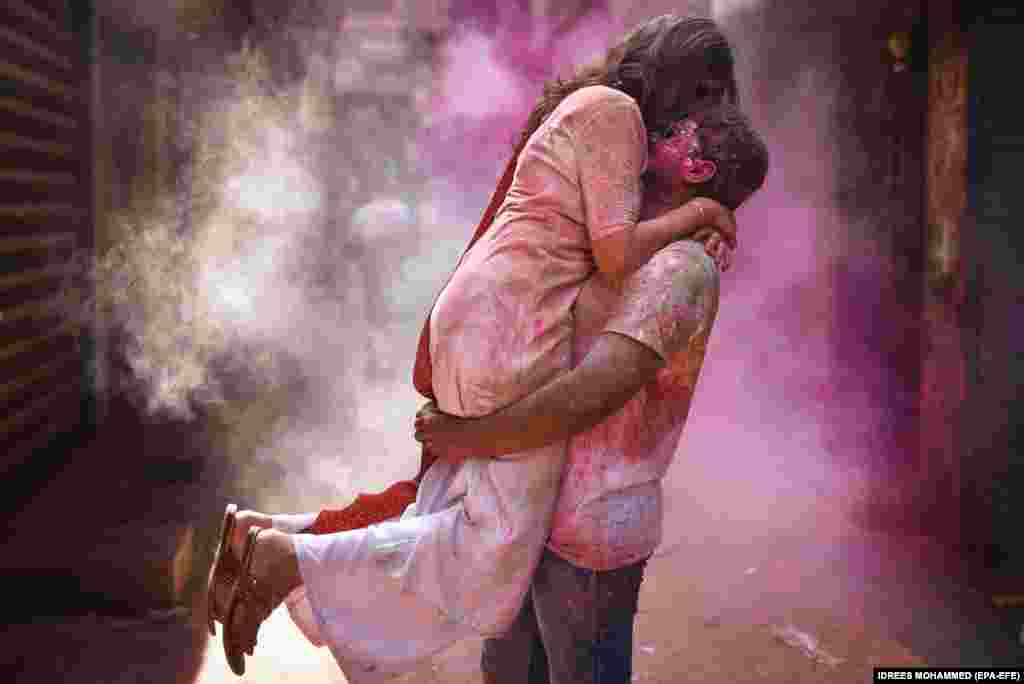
column 575, row 627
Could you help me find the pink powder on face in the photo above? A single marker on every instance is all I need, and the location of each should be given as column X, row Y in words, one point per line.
column 674, row 154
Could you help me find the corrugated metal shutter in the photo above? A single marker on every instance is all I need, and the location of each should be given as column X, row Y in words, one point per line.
column 45, row 219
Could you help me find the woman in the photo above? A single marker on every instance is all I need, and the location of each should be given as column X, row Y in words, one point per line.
column 460, row 561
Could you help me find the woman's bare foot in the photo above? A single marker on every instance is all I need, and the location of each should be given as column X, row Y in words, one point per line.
column 244, row 520
column 227, row 565
column 272, row 574
column 274, row 563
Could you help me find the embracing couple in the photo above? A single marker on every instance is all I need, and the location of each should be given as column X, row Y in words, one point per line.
column 560, row 359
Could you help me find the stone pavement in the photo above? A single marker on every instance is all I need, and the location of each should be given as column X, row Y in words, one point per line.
column 739, row 602
column 800, row 595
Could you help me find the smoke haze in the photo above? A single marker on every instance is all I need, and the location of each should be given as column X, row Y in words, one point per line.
column 281, row 290
column 298, row 328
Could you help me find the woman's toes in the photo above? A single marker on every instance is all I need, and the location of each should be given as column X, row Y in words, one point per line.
column 244, row 520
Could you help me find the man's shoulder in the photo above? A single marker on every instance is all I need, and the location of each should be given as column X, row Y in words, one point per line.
column 682, row 266
column 669, row 299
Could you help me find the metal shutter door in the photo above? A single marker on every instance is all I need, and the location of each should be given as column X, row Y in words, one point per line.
column 45, row 219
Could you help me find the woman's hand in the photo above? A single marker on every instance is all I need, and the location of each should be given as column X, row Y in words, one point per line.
column 715, row 247
column 717, row 216
column 719, row 235
column 440, row 432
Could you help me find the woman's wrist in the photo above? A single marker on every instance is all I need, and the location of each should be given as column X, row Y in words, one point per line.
column 711, row 214
column 702, row 213
column 690, row 218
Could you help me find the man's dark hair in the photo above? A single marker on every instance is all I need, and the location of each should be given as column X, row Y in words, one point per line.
column 727, row 138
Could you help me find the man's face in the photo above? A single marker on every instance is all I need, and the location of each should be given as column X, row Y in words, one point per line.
column 675, row 169
column 674, row 158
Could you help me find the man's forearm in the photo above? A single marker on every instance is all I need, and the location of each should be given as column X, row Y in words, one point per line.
column 615, row 369
column 547, row 416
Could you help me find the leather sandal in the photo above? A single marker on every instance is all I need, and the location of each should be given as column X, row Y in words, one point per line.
column 259, row 604
column 225, row 571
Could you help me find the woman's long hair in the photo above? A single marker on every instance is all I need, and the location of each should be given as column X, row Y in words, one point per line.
column 670, row 65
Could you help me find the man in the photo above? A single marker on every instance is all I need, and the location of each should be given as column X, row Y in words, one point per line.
column 639, row 364
column 637, row 356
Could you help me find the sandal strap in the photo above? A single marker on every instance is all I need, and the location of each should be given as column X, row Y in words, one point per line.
column 225, row 569
column 224, row 578
column 260, row 601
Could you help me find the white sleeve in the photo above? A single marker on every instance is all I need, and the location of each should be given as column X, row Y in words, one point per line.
column 293, row 523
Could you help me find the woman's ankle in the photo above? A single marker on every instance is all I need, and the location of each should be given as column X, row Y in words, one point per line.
column 244, row 520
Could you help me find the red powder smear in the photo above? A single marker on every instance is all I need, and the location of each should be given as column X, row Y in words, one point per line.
column 667, row 158
column 673, row 155
column 367, row 509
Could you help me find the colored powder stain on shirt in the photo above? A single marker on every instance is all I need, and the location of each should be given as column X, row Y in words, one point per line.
column 609, row 511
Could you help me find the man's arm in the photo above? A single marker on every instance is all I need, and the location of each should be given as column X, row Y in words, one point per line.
column 614, row 370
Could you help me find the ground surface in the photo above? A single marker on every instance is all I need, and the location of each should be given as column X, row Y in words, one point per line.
column 719, row 605
column 716, row 604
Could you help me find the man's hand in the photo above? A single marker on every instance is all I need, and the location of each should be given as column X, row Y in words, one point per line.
column 441, row 432
column 430, row 421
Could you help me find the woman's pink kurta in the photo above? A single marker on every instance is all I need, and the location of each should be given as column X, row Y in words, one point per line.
column 460, row 560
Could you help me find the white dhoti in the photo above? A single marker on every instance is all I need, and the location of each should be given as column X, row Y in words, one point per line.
column 457, row 564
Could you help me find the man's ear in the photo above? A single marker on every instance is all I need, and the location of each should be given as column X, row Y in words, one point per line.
column 700, row 171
